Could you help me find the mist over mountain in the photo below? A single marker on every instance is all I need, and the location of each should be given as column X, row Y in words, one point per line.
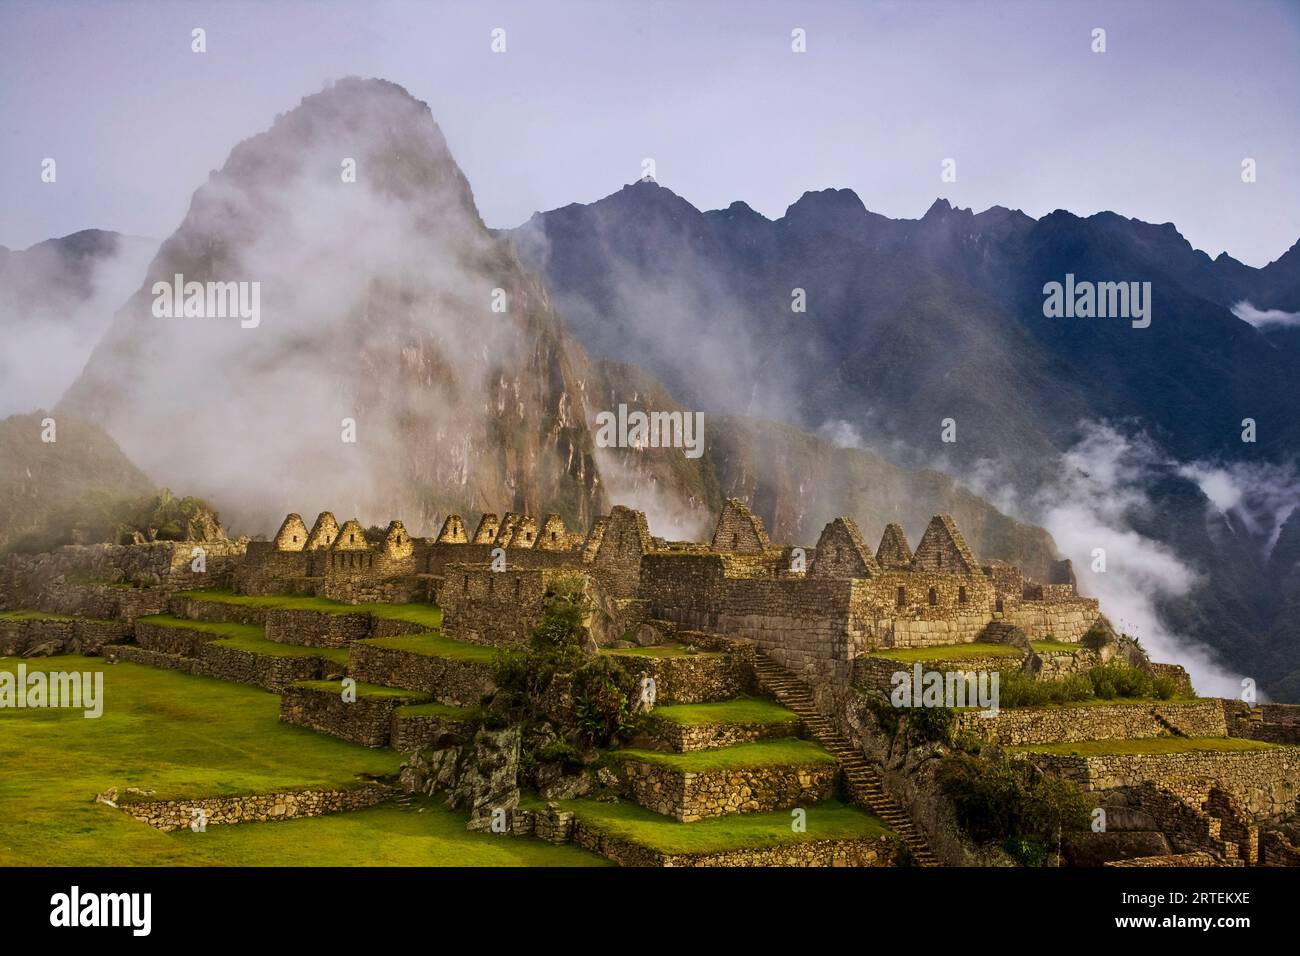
column 56, row 299
column 376, row 305
column 1110, row 436
column 376, row 317
column 380, row 314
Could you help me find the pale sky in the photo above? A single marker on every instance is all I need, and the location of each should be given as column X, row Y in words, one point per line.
column 1154, row 128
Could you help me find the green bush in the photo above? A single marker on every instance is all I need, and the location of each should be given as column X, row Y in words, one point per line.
column 1117, row 679
column 602, row 691
column 1012, row 804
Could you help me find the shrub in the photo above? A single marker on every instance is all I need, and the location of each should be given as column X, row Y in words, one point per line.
column 1013, row 804
column 1096, row 637
column 602, row 691
column 1117, row 679
column 1164, row 687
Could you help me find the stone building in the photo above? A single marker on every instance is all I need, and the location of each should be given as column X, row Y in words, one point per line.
column 813, row 609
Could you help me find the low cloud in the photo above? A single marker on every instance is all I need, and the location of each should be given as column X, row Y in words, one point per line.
column 1098, row 492
column 55, row 303
column 1262, row 317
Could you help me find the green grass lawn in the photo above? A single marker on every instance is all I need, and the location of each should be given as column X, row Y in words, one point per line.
column 424, row 614
column 364, row 690
column 434, row 645
column 741, row 710
column 187, row 736
column 778, row 752
column 1149, row 745
column 33, row 616
column 257, row 644
column 238, row 631
column 428, row 834
column 947, row 652
column 830, row 820
column 662, row 650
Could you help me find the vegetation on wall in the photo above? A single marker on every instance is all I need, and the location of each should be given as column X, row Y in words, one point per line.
column 1012, row 804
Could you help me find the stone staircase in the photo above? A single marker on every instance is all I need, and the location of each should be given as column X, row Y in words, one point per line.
column 862, row 777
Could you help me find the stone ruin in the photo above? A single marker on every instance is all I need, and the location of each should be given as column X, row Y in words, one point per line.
column 813, row 609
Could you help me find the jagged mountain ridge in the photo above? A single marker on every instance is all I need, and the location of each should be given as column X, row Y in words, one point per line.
column 912, row 321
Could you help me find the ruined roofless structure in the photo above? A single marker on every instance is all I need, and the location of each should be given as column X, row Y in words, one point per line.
column 814, row 609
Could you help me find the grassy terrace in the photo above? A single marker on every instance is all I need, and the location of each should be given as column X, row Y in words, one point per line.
column 256, row 644
column 34, row 616
column 947, row 652
column 741, row 710
column 428, row 834
column 236, row 631
column 363, row 690
column 186, row 736
column 434, row 645
column 661, row 650
column 779, row 752
column 1150, row 745
column 424, row 614
column 830, row 820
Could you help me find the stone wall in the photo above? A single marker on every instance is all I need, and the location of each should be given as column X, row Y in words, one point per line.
column 876, row 674
column 52, row 581
column 687, row 737
column 1065, row 619
column 315, row 628
column 1265, row 783
column 187, row 642
column 451, row 681
column 882, row 851
column 802, row 623
column 695, row 796
column 1052, row 725
column 695, row 679
column 260, row 670
column 367, row 720
column 499, row 608
column 1271, row 723
column 171, row 815
column 66, row 635
column 416, row 732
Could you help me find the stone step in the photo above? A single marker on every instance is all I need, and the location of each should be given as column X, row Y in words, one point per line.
column 861, row 778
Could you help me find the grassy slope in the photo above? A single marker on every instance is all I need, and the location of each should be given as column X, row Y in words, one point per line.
column 1150, row 745
column 830, row 820
column 740, row 710
column 779, row 752
column 256, row 644
column 191, row 736
column 425, row 614
column 434, row 645
column 365, row 690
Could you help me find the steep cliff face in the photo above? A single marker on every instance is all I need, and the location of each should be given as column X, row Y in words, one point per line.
column 383, row 311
